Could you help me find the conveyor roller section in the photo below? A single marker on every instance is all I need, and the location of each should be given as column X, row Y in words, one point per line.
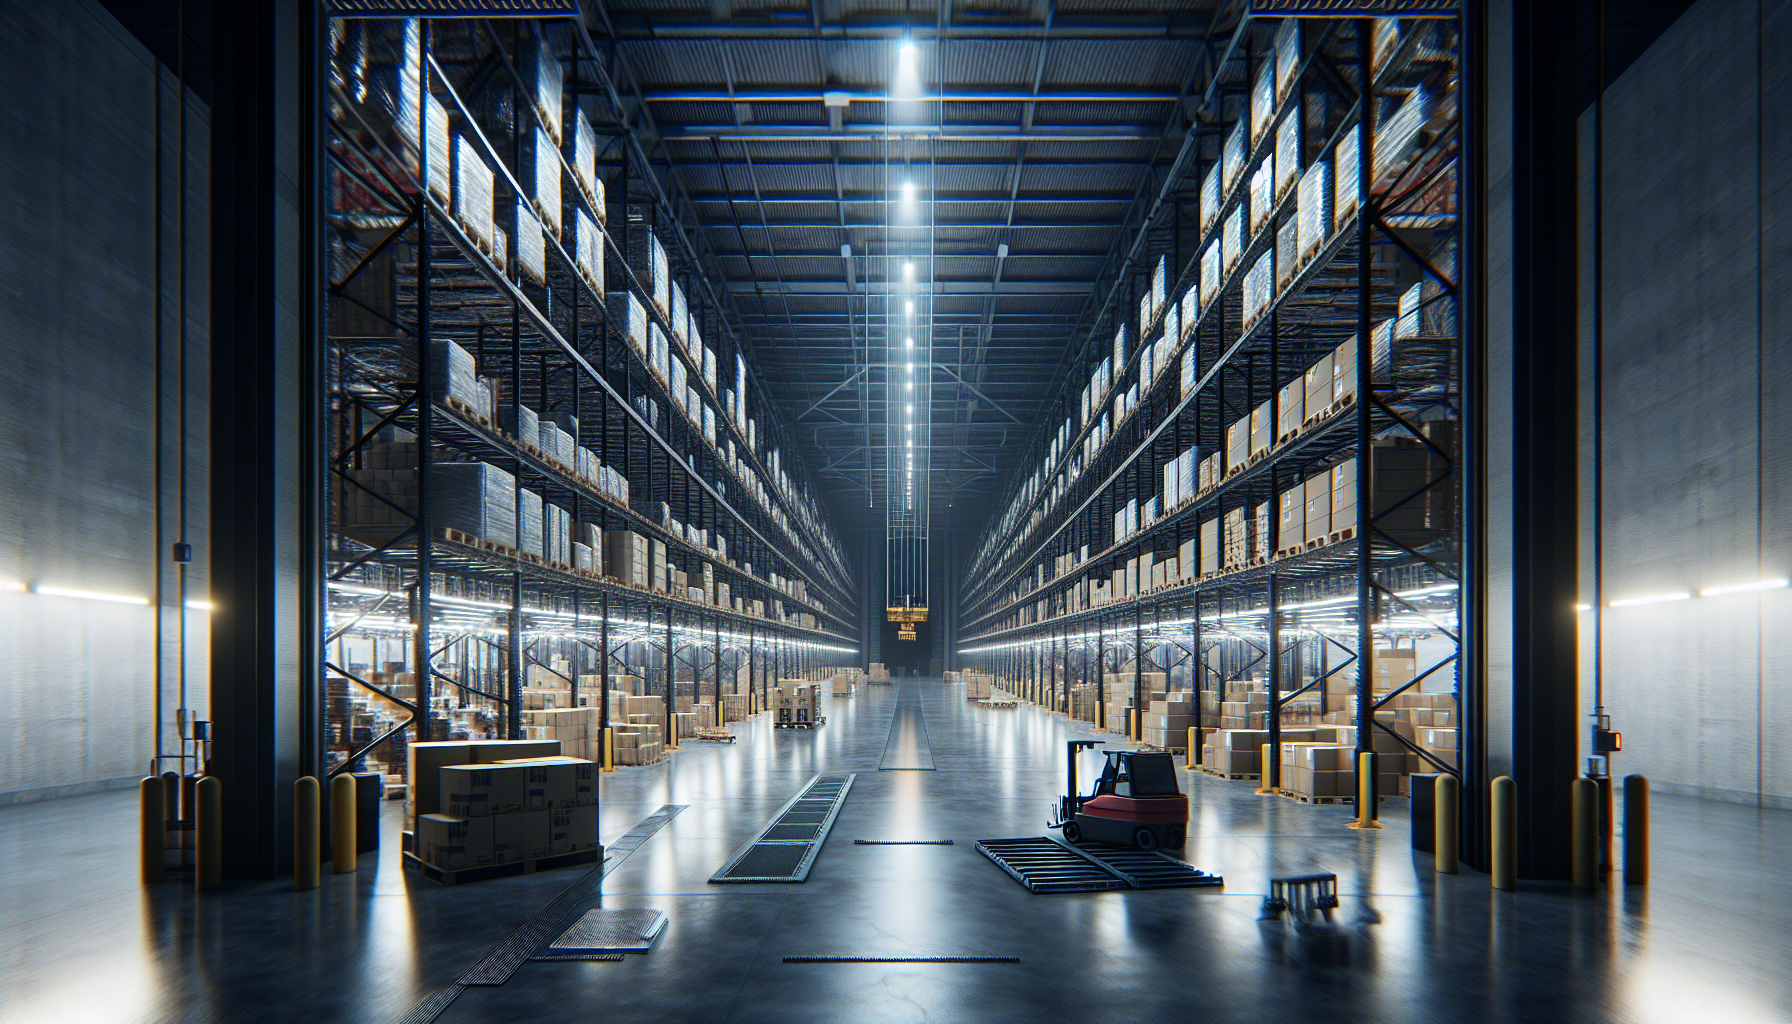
column 1043, row 865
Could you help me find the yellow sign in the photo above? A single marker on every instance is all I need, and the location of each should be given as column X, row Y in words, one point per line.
column 906, row 614
column 906, row 631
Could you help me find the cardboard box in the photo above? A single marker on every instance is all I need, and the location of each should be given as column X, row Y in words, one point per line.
column 1263, row 428
column 1238, row 443
column 471, row 791
column 572, row 829
column 558, row 782
column 1318, row 381
column 1318, row 491
column 518, row 837
column 454, row 843
column 495, row 751
column 1291, row 407
column 421, row 778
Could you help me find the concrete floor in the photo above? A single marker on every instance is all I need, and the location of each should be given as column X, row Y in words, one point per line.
column 1711, row 940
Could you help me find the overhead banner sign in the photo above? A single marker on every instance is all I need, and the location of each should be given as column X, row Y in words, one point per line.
column 906, row 631
column 1355, row 8
column 906, row 614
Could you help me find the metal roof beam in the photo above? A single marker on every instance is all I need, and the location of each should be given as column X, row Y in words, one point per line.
column 696, row 94
column 939, row 287
column 945, row 133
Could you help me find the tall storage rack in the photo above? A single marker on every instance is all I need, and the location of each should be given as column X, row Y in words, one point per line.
column 1362, row 269
column 502, row 257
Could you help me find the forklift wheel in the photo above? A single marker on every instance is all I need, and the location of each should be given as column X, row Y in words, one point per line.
column 1072, row 832
column 1146, row 839
column 1175, row 839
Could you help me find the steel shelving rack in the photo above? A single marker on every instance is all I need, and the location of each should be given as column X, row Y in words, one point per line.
column 468, row 617
column 1302, row 613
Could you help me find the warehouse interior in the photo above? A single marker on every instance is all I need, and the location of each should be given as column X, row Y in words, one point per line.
column 634, row 508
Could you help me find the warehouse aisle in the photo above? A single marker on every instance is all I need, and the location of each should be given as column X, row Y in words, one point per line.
column 1696, row 946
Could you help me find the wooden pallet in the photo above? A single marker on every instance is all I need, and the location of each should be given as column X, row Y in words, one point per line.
column 1340, row 536
column 1318, row 800
column 714, row 736
column 1283, row 439
column 1228, row 776
column 460, row 876
column 467, row 411
column 1289, row 552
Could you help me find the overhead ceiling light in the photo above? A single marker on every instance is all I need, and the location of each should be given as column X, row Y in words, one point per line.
column 908, row 271
column 88, row 595
column 203, row 606
column 12, row 585
column 1738, row 588
column 908, row 307
column 911, row 410
column 1651, row 599
column 908, row 193
column 908, row 343
column 1583, row 607
column 908, row 55
column 911, row 367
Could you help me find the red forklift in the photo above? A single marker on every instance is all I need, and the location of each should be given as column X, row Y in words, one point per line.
column 1136, row 802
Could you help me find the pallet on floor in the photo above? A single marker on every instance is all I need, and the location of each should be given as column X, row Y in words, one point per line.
column 461, row 876
column 1229, row 776
column 1318, row 800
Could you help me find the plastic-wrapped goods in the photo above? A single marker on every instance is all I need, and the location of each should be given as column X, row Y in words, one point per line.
column 1160, row 283
column 1397, row 139
column 1232, row 158
column 1263, row 193
column 587, row 468
column 1408, row 324
column 709, row 368
column 1313, row 209
column 1213, row 194
column 1119, row 353
column 740, row 388
column 473, row 498
column 662, row 276
column 658, row 351
column 1191, row 310
column 452, row 373
column 588, row 244
column 1287, row 252
column 1172, row 334
column 1145, row 311
column 436, row 137
column 555, row 443
column 547, row 89
column 709, row 424
column 520, row 422
column 1345, row 169
column 1212, row 270
column 1189, row 378
column 677, row 383
column 584, row 164
column 581, row 557
column 1232, row 239
column 500, row 250
column 680, row 317
column 1146, row 364
column 410, row 86
column 1382, row 43
column 693, row 405
column 1288, row 156
column 528, row 522
column 1287, row 57
column 1259, row 288
column 1263, row 101
column 547, row 182
column 473, row 193
column 635, row 320
column 531, row 250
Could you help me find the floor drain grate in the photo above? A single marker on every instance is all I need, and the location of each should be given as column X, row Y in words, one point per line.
column 902, row 842
column 786, row 849
column 902, row 959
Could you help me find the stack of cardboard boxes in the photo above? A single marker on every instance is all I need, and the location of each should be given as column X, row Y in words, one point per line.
column 977, row 684
column 877, row 673
column 499, row 802
column 794, row 702
column 1167, row 721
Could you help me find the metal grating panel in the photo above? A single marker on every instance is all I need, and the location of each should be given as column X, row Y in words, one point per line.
column 786, row 849
column 610, row 931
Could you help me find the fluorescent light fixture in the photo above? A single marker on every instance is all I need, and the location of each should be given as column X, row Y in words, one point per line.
column 202, row 606
column 12, row 585
column 911, row 442
column 910, row 385
column 1651, row 599
column 908, row 55
column 909, row 307
column 1583, row 607
column 88, row 595
column 908, row 343
column 908, row 271
column 911, row 410
column 1739, row 588
column 911, row 367
column 908, row 192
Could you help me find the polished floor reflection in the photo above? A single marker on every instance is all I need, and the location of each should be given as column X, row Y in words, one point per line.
column 1710, row 940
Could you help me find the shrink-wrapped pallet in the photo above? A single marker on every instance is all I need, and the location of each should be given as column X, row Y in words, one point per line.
column 662, row 276
column 528, row 522
column 709, row 367
column 1232, row 158
column 1188, row 376
column 1213, row 197
column 1288, row 156
column 1287, row 252
column 1212, row 269
column 452, row 373
column 1160, row 283
column 435, row 131
column 531, row 249
column 1263, row 101
column 1259, row 288
column 545, row 160
column 588, row 248
column 473, row 194
column 1287, row 58
column 1397, row 139
column 473, row 498
column 1347, row 192
column 1232, row 239
column 1191, row 309
column 1262, row 193
column 1313, row 209
column 520, row 422
column 548, row 73
column 584, row 164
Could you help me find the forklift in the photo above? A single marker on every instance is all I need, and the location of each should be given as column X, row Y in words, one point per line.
column 1136, row 802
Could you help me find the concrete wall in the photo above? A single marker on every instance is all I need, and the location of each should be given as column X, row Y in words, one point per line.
column 82, row 483
column 1697, row 466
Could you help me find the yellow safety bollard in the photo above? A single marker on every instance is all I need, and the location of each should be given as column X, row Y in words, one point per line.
column 1368, row 814
column 306, row 819
column 1584, row 832
column 1189, row 754
column 1446, row 810
column 209, row 824
column 1264, row 753
column 1505, row 833
column 1138, row 732
column 343, row 837
column 1636, row 830
column 153, row 827
column 609, row 758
